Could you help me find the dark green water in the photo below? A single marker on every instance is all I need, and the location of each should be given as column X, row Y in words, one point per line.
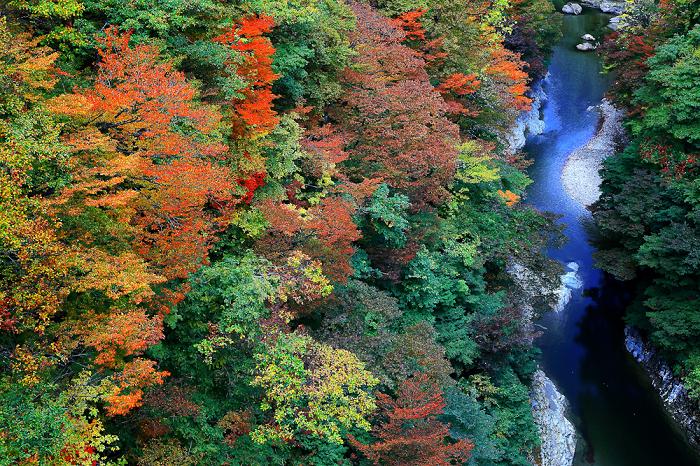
column 614, row 407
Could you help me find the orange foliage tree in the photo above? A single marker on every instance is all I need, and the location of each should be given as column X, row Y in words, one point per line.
column 254, row 108
column 150, row 171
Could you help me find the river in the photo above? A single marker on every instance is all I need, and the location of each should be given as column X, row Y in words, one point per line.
column 614, row 407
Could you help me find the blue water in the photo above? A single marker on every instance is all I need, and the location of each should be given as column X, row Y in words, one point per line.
column 614, row 407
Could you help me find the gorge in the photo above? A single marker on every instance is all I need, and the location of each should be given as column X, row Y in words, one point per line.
column 616, row 411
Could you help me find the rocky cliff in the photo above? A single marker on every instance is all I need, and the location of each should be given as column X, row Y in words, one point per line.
column 558, row 435
column 670, row 389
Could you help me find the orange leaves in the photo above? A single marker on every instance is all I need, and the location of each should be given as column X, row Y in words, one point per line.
column 457, row 86
column 509, row 197
column 254, row 110
column 506, row 70
column 410, row 23
column 460, row 84
column 120, row 334
column 148, row 158
column 116, row 276
column 127, row 392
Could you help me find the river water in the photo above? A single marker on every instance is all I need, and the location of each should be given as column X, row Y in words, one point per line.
column 616, row 411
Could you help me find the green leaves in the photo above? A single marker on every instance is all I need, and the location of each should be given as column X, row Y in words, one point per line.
column 671, row 93
column 387, row 217
column 311, row 387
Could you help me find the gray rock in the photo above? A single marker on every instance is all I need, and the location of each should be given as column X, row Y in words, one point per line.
column 588, row 37
column 616, row 23
column 549, row 408
column 572, row 9
column 527, row 123
column 615, row 8
column 586, row 47
column 580, row 176
column 674, row 396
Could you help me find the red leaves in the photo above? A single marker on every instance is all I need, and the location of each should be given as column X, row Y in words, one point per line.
column 673, row 161
column 252, row 183
column 332, row 222
column 255, row 112
column 411, row 25
column 410, row 433
column 397, row 119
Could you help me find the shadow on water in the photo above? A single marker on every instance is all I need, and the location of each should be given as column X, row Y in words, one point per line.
column 615, row 409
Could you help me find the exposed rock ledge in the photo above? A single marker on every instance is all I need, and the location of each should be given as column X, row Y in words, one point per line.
column 674, row 396
column 530, row 122
column 558, row 435
column 580, row 176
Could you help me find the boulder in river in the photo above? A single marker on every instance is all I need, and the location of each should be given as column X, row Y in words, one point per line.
column 616, row 23
column 588, row 37
column 615, row 8
column 572, row 9
column 586, row 47
column 549, row 409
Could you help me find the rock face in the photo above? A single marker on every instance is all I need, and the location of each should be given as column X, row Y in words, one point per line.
column 528, row 123
column 678, row 404
column 557, row 432
column 588, row 37
column 580, row 174
column 586, row 47
column 616, row 23
column 572, row 9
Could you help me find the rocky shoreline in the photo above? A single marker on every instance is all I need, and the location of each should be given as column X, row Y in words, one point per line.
column 549, row 409
column 580, row 176
column 549, row 406
column 672, row 392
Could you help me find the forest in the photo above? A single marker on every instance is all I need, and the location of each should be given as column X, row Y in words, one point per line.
column 292, row 232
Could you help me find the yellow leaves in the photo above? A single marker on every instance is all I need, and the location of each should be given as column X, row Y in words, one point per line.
column 24, row 64
column 72, row 105
column 26, row 364
column 312, row 387
column 473, row 163
column 117, row 276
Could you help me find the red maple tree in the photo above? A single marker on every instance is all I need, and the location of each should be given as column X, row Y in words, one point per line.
column 410, row 433
column 397, row 119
